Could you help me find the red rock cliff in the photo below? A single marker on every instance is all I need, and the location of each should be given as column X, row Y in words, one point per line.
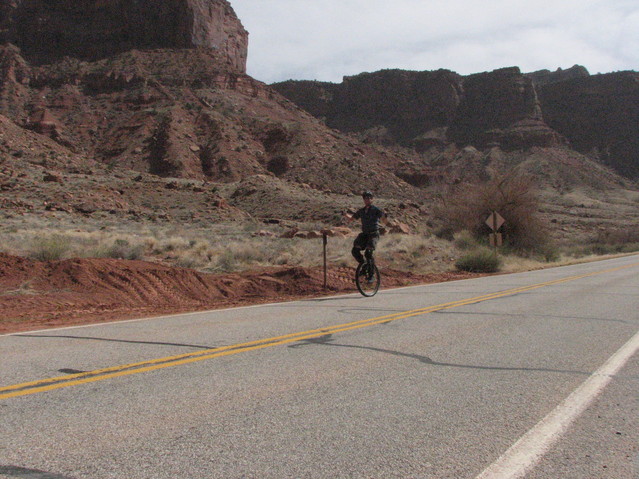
column 424, row 109
column 92, row 29
column 599, row 115
column 393, row 106
column 501, row 108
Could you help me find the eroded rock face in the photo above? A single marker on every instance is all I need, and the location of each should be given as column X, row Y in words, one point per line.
column 393, row 106
column 501, row 108
column 406, row 103
column 544, row 77
column 431, row 109
column 91, row 29
column 599, row 115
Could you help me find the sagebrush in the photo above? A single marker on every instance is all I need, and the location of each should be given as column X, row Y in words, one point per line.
column 514, row 196
column 481, row 260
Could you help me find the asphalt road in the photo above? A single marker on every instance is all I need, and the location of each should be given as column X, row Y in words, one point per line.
column 529, row 375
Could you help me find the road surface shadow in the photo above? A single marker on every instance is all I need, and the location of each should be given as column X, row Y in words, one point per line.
column 21, row 472
column 327, row 340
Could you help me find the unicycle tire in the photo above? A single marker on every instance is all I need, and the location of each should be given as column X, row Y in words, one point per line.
column 367, row 283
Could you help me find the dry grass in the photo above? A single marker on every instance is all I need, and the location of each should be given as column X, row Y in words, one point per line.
column 235, row 247
column 517, row 264
column 25, row 289
column 48, row 247
column 222, row 248
column 418, row 253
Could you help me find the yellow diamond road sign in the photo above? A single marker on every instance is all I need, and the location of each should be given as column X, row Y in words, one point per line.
column 495, row 221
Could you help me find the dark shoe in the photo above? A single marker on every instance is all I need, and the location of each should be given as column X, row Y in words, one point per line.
column 370, row 274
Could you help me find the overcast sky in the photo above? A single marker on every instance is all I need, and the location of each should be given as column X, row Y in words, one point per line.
column 328, row 39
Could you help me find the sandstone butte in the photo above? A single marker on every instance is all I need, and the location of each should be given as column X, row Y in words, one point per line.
column 92, row 29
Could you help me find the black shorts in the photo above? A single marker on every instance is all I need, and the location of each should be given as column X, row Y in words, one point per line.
column 366, row 241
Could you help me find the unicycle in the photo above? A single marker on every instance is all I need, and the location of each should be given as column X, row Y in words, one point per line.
column 367, row 278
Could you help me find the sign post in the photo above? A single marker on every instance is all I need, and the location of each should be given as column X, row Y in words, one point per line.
column 494, row 222
column 324, row 242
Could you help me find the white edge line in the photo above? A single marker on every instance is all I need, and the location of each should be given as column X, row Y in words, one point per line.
column 522, row 456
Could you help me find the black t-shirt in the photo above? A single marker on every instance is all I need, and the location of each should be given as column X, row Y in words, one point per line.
column 370, row 216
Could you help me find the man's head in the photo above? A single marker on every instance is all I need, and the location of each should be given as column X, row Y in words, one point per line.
column 368, row 197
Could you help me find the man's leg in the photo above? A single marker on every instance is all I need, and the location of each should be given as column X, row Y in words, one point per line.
column 369, row 254
column 358, row 245
column 371, row 243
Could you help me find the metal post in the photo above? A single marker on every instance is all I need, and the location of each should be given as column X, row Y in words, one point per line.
column 325, row 241
column 494, row 222
column 495, row 228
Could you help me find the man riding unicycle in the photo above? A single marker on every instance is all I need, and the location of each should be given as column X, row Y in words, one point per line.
column 370, row 216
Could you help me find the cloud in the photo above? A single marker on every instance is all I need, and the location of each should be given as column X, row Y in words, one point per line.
column 329, row 39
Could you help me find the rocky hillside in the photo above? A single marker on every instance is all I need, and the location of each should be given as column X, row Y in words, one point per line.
column 177, row 134
column 183, row 113
column 110, row 113
column 597, row 116
column 170, row 100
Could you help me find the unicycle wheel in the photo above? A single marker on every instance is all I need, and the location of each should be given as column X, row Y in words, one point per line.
column 367, row 279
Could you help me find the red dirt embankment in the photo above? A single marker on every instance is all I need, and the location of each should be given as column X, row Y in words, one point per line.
column 37, row 295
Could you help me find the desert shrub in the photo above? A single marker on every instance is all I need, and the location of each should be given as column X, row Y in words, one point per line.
column 49, row 247
column 446, row 232
column 24, row 289
column 601, row 249
column 120, row 249
column 513, row 196
column 549, row 253
column 174, row 244
column 480, row 260
column 630, row 248
column 465, row 240
column 614, row 236
column 283, row 259
column 226, row 262
column 188, row 261
column 609, row 241
column 240, row 254
column 249, row 252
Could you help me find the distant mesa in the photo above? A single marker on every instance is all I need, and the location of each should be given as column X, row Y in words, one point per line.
column 431, row 108
column 46, row 31
column 543, row 77
column 597, row 115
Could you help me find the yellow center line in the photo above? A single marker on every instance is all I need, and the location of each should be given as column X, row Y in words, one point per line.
column 49, row 384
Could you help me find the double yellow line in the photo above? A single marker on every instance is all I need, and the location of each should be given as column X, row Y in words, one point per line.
column 50, row 384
